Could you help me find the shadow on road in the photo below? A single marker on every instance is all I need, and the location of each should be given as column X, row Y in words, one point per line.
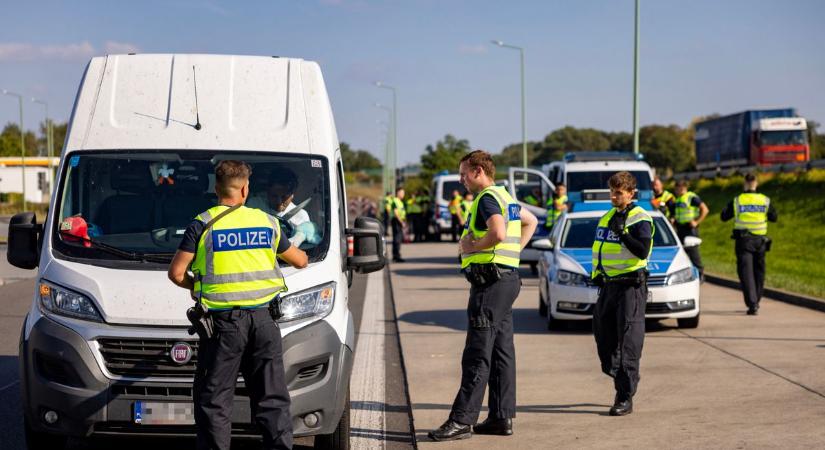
column 575, row 408
column 525, row 321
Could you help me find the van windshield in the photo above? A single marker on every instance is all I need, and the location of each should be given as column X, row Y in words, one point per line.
column 142, row 201
column 448, row 187
column 580, row 233
column 580, row 181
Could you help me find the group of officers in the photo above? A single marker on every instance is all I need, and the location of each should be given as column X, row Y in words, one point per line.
column 239, row 287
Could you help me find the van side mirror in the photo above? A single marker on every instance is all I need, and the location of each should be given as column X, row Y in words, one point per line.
column 692, row 241
column 367, row 253
column 542, row 244
column 24, row 241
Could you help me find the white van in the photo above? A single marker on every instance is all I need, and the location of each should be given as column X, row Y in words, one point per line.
column 442, row 193
column 96, row 349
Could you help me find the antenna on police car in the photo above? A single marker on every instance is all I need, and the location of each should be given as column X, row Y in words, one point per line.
column 197, row 115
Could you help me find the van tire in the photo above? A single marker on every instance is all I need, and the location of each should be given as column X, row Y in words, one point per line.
column 36, row 440
column 339, row 439
column 688, row 322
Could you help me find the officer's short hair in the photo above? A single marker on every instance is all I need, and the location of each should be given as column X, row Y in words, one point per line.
column 231, row 174
column 750, row 178
column 482, row 159
column 622, row 181
column 682, row 184
column 284, row 176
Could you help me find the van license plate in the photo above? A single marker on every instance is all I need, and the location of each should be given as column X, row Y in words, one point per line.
column 163, row 413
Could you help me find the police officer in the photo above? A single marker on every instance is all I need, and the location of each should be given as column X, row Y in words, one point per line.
column 661, row 197
column 399, row 220
column 556, row 205
column 236, row 276
column 497, row 230
column 688, row 211
column 751, row 212
column 387, row 201
column 455, row 228
column 624, row 240
column 464, row 208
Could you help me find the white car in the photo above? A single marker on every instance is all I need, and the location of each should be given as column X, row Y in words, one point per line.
column 567, row 293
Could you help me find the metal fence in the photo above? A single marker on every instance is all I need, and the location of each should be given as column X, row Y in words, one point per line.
column 729, row 171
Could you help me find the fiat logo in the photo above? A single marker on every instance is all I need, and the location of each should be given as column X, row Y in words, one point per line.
column 181, row 353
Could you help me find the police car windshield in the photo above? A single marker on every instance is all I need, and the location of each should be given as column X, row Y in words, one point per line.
column 142, row 201
column 579, row 233
column 580, row 181
column 448, row 187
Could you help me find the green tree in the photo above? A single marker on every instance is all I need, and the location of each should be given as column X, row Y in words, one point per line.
column 620, row 141
column 59, row 135
column 358, row 160
column 816, row 140
column 667, row 147
column 10, row 141
column 445, row 155
column 571, row 139
column 511, row 156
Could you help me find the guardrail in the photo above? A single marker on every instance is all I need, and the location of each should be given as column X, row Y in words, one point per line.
column 728, row 171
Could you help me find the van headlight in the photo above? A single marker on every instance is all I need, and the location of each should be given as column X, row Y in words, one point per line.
column 62, row 301
column 313, row 302
column 681, row 276
column 571, row 278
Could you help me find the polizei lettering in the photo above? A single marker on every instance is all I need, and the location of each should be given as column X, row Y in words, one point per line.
column 241, row 239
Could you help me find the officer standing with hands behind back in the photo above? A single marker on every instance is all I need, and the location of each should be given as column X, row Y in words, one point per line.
column 496, row 231
column 624, row 240
column 233, row 253
column 751, row 212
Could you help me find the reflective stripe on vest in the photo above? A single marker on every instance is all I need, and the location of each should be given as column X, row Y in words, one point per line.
column 610, row 257
column 235, row 263
column 506, row 252
column 685, row 212
column 553, row 214
column 750, row 211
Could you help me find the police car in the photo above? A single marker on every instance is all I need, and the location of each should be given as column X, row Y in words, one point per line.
column 566, row 291
column 442, row 193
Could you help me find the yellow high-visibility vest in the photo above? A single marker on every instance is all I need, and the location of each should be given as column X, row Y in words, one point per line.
column 609, row 256
column 685, row 212
column 750, row 211
column 553, row 214
column 506, row 252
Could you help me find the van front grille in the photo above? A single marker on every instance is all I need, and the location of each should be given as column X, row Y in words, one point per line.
column 145, row 358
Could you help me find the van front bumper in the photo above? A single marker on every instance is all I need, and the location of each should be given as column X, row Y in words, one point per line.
column 59, row 372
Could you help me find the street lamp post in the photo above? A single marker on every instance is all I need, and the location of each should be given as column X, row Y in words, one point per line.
column 394, row 156
column 22, row 144
column 49, row 139
column 387, row 156
column 523, row 124
column 636, row 83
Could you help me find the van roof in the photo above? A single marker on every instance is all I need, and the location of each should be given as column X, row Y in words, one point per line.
column 148, row 101
column 600, row 166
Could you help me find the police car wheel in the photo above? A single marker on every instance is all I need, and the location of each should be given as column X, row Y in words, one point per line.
column 339, row 439
column 689, row 322
column 542, row 305
column 36, row 440
column 554, row 324
column 534, row 269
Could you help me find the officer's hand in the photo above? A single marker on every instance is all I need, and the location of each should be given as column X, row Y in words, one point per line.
column 466, row 244
column 616, row 224
column 694, row 224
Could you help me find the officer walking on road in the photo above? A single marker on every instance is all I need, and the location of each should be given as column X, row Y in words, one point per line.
column 497, row 229
column 688, row 211
column 237, row 281
column 399, row 220
column 624, row 240
column 751, row 212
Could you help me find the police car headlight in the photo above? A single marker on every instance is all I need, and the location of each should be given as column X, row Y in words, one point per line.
column 571, row 278
column 59, row 300
column 681, row 276
column 313, row 302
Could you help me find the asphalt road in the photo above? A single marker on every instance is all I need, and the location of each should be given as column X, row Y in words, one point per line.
column 15, row 299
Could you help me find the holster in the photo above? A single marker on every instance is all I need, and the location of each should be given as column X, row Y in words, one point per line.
column 482, row 275
column 201, row 321
column 275, row 308
column 635, row 279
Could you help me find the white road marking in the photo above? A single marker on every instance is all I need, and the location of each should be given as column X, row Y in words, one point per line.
column 368, row 396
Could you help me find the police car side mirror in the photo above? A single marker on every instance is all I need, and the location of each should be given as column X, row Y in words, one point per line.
column 367, row 252
column 24, row 241
column 542, row 244
column 692, row 241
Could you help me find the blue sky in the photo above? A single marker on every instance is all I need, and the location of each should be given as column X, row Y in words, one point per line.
column 698, row 57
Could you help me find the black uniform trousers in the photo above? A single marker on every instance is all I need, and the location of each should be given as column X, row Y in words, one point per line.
column 249, row 341
column 619, row 329
column 455, row 227
column 693, row 252
column 489, row 354
column 750, row 265
column 397, row 238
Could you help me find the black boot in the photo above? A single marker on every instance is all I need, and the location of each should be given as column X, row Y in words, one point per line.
column 451, row 431
column 622, row 406
column 499, row 427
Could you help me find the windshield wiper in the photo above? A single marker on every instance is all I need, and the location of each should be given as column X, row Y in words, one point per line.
column 164, row 258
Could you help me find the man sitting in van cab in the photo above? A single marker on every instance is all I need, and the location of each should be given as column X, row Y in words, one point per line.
column 278, row 202
column 232, row 252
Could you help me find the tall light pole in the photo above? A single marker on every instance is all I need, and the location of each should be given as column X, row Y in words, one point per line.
column 49, row 142
column 523, row 125
column 22, row 144
column 388, row 171
column 636, row 84
column 394, row 156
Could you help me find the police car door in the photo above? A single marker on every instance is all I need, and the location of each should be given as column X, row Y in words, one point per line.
column 531, row 189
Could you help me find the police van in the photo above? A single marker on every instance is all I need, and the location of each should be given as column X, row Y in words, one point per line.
column 441, row 190
column 104, row 349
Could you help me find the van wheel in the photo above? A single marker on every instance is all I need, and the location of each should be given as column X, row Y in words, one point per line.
column 339, row 439
column 689, row 322
column 36, row 440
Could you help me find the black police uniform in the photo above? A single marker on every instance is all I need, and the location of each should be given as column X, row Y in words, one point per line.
column 489, row 353
column 750, row 256
column 397, row 236
column 619, row 316
column 246, row 341
column 683, row 230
